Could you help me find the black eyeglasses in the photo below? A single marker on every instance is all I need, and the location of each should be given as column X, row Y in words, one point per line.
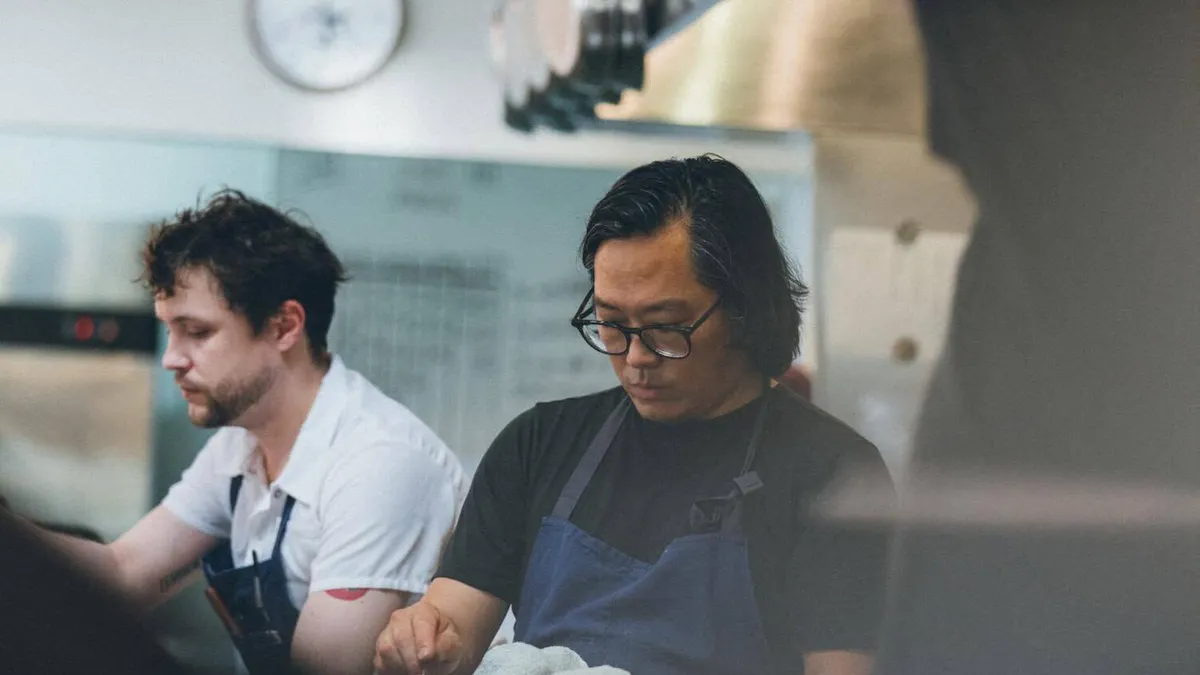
column 606, row 337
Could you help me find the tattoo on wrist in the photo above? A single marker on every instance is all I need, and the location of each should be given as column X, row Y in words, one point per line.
column 174, row 578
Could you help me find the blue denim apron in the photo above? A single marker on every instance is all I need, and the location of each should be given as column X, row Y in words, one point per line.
column 253, row 601
column 692, row 612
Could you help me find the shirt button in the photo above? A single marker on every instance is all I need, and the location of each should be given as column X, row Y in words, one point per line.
column 277, row 494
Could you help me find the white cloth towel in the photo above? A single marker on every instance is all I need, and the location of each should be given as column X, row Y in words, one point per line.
column 518, row 658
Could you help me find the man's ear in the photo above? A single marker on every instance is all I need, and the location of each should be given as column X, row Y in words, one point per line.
column 287, row 326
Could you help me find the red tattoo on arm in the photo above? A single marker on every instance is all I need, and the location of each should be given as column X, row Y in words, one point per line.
column 347, row 593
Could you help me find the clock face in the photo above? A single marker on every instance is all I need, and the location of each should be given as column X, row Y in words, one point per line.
column 326, row 44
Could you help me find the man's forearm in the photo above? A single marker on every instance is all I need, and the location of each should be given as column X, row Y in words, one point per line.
column 104, row 562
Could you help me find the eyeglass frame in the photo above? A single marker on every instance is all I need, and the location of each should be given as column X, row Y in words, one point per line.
column 686, row 331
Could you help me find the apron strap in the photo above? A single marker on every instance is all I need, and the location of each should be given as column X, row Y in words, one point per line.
column 724, row 514
column 283, row 523
column 748, row 481
column 235, row 487
column 586, row 468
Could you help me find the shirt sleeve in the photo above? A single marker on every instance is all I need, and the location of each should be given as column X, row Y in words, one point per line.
column 838, row 573
column 488, row 547
column 385, row 514
column 200, row 497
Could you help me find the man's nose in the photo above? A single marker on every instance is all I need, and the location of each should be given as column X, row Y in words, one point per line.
column 639, row 355
column 173, row 359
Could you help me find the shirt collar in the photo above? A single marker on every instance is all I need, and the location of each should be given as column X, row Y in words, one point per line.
column 309, row 460
column 311, row 453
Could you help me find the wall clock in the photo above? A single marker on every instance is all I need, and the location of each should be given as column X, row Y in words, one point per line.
column 325, row 45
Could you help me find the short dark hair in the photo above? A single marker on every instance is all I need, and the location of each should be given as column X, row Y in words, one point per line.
column 259, row 256
column 734, row 248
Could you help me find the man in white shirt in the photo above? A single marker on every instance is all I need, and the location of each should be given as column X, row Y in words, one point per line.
column 320, row 505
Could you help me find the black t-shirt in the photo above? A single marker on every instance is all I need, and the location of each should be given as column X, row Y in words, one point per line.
column 817, row 587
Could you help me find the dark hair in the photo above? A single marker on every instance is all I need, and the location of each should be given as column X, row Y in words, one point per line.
column 734, row 248
column 259, row 257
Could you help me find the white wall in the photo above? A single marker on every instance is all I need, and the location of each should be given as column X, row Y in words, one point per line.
column 187, row 69
column 74, row 211
column 873, row 289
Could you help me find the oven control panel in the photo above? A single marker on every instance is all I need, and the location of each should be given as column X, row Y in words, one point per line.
column 93, row 329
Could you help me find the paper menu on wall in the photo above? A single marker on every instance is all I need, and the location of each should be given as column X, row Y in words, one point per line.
column 463, row 347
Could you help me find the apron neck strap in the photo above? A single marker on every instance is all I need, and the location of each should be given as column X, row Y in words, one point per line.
column 235, row 487
column 283, row 524
column 760, row 422
column 747, row 481
column 586, row 468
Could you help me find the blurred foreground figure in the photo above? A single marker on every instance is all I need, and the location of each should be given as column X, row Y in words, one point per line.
column 54, row 620
column 1066, row 411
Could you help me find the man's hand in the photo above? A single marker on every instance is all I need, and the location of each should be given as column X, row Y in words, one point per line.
column 446, row 633
column 419, row 640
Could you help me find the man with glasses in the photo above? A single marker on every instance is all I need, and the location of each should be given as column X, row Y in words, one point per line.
column 660, row 527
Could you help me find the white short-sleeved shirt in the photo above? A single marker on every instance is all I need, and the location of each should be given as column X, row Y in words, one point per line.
column 377, row 494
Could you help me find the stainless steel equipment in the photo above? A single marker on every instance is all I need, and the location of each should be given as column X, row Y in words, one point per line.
column 77, row 361
column 75, row 415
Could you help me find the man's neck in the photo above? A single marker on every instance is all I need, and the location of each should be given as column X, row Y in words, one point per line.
column 277, row 426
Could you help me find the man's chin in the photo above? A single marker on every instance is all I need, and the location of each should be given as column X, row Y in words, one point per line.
column 659, row 410
column 201, row 417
